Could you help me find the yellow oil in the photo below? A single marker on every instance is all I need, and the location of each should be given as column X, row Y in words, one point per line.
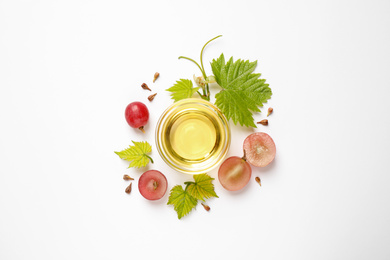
column 194, row 137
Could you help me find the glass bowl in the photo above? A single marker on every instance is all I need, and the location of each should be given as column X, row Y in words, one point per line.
column 192, row 136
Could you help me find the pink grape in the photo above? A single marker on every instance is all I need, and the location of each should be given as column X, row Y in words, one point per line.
column 259, row 149
column 234, row 173
column 152, row 185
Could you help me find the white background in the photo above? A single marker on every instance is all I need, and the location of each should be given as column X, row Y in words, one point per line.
column 69, row 68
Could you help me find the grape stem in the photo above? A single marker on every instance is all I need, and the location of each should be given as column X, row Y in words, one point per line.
column 142, row 129
column 244, row 157
column 205, row 87
column 155, row 185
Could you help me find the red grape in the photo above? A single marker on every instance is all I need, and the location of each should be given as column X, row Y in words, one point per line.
column 259, row 149
column 234, row 173
column 137, row 115
column 152, row 185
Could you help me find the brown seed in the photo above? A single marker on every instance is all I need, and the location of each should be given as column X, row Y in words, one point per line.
column 263, row 122
column 207, row 208
column 270, row 110
column 144, row 86
column 258, row 180
column 127, row 178
column 156, row 76
column 128, row 189
column 151, row 97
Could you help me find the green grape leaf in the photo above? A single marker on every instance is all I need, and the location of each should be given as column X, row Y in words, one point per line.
column 243, row 92
column 202, row 188
column 182, row 89
column 182, row 202
column 137, row 154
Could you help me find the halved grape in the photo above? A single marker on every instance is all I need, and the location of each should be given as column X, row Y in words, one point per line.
column 152, row 185
column 234, row 173
column 259, row 149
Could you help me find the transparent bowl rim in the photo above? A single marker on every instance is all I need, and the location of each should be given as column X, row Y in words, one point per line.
column 212, row 108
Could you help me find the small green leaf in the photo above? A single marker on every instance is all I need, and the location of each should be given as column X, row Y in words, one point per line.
column 137, row 154
column 202, row 188
column 182, row 202
column 185, row 200
column 242, row 90
column 182, row 89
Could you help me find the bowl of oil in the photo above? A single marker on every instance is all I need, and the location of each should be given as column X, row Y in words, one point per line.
column 192, row 136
